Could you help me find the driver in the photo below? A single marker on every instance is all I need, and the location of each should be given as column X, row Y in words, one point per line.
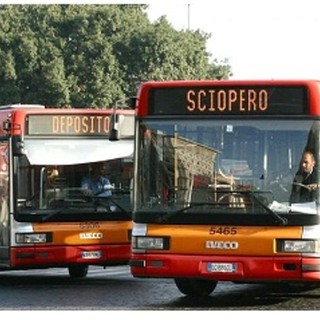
column 305, row 184
column 97, row 184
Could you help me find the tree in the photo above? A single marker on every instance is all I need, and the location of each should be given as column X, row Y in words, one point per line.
column 93, row 55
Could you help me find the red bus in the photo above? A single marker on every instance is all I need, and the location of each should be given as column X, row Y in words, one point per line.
column 216, row 164
column 45, row 218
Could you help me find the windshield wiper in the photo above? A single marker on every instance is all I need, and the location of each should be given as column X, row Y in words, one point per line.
column 106, row 201
column 252, row 194
column 55, row 213
column 71, row 206
column 282, row 221
column 191, row 205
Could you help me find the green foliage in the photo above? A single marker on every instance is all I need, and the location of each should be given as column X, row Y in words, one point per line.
column 93, row 55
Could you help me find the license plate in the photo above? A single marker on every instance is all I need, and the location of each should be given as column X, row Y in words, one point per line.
column 91, row 254
column 221, row 267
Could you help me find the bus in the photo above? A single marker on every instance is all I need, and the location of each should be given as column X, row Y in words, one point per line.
column 46, row 221
column 214, row 168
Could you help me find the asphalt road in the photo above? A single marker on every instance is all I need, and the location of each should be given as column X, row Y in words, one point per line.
column 114, row 289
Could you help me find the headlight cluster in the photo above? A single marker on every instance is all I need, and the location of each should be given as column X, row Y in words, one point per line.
column 298, row 246
column 30, row 238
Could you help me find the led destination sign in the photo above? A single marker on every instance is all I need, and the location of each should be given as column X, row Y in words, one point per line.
column 69, row 124
column 222, row 100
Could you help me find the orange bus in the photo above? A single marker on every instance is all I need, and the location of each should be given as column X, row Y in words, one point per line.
column 215, row 165
column 46, row 220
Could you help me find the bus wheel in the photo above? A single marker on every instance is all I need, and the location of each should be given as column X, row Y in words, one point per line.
column 78, row 271
column 195, row 287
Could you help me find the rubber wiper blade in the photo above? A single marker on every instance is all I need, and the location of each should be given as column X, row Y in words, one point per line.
column 116, row 203
column 55, row 213
column 173, row 213
column 282, row 221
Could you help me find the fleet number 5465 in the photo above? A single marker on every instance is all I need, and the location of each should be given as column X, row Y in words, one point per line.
column 223, row 230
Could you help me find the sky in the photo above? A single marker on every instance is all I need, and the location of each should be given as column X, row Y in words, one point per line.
column 262, row 39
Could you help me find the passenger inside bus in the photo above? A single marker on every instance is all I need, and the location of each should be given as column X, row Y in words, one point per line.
column 97, row 183
column 305, row 184
column 53, row 173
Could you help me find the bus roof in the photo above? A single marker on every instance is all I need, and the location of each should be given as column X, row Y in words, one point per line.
column 24, row 106
column 180, row 83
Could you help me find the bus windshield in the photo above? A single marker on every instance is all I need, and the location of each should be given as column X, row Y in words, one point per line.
column 223, row 166
column 51, row 172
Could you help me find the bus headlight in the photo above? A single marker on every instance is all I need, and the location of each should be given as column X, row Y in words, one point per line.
column 155, row 243
column 30, row 238
column 298, row 246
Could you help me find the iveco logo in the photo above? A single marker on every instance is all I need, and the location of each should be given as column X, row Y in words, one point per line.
column 222, row 245
column 91, row 235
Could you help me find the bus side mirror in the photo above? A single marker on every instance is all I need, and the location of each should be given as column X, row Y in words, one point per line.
column 132, row 102
column 17, row 146
column 114, row 135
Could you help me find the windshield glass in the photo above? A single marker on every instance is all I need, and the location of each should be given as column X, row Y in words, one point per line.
column 248, row 166
column 61, row 177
